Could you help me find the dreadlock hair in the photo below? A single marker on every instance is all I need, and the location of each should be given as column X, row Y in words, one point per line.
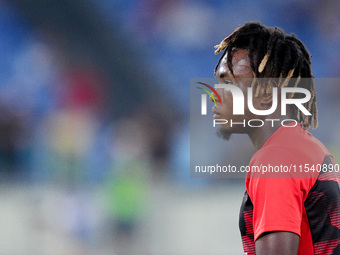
column 274, row 52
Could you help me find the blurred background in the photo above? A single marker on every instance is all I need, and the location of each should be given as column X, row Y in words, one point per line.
column 94, row 124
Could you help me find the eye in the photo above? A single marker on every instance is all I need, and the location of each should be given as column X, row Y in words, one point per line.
column 229, row 82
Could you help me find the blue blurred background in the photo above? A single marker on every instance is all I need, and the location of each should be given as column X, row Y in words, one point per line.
column 94, row 125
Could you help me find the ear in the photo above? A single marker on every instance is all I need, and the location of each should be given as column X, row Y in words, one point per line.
column 266, row 93
column 266, row 98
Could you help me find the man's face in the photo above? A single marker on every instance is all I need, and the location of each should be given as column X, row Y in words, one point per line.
column 242, row 74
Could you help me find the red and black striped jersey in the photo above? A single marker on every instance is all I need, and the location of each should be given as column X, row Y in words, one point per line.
column 294, row 187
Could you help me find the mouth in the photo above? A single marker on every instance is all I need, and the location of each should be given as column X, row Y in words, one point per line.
column 217, row 115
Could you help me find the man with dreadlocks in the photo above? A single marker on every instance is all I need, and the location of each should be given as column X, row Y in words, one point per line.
column 280, row 214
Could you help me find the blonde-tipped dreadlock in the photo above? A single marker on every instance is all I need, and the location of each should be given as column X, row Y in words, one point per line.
column 273, row 53
column 225, row 42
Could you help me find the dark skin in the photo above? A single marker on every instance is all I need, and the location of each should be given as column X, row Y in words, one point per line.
column 270, row 243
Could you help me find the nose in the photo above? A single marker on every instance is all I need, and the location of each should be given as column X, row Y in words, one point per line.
column 214, row 99
column 216, row 95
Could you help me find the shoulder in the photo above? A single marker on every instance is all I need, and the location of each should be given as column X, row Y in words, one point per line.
column 274, row 154
column 278, row 167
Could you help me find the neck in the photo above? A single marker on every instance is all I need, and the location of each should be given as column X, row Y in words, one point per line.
column 259, row 136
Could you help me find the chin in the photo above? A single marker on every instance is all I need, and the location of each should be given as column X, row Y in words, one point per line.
column 224, row 133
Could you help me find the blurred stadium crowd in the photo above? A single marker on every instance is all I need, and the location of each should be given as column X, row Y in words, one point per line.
column 94, row 108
